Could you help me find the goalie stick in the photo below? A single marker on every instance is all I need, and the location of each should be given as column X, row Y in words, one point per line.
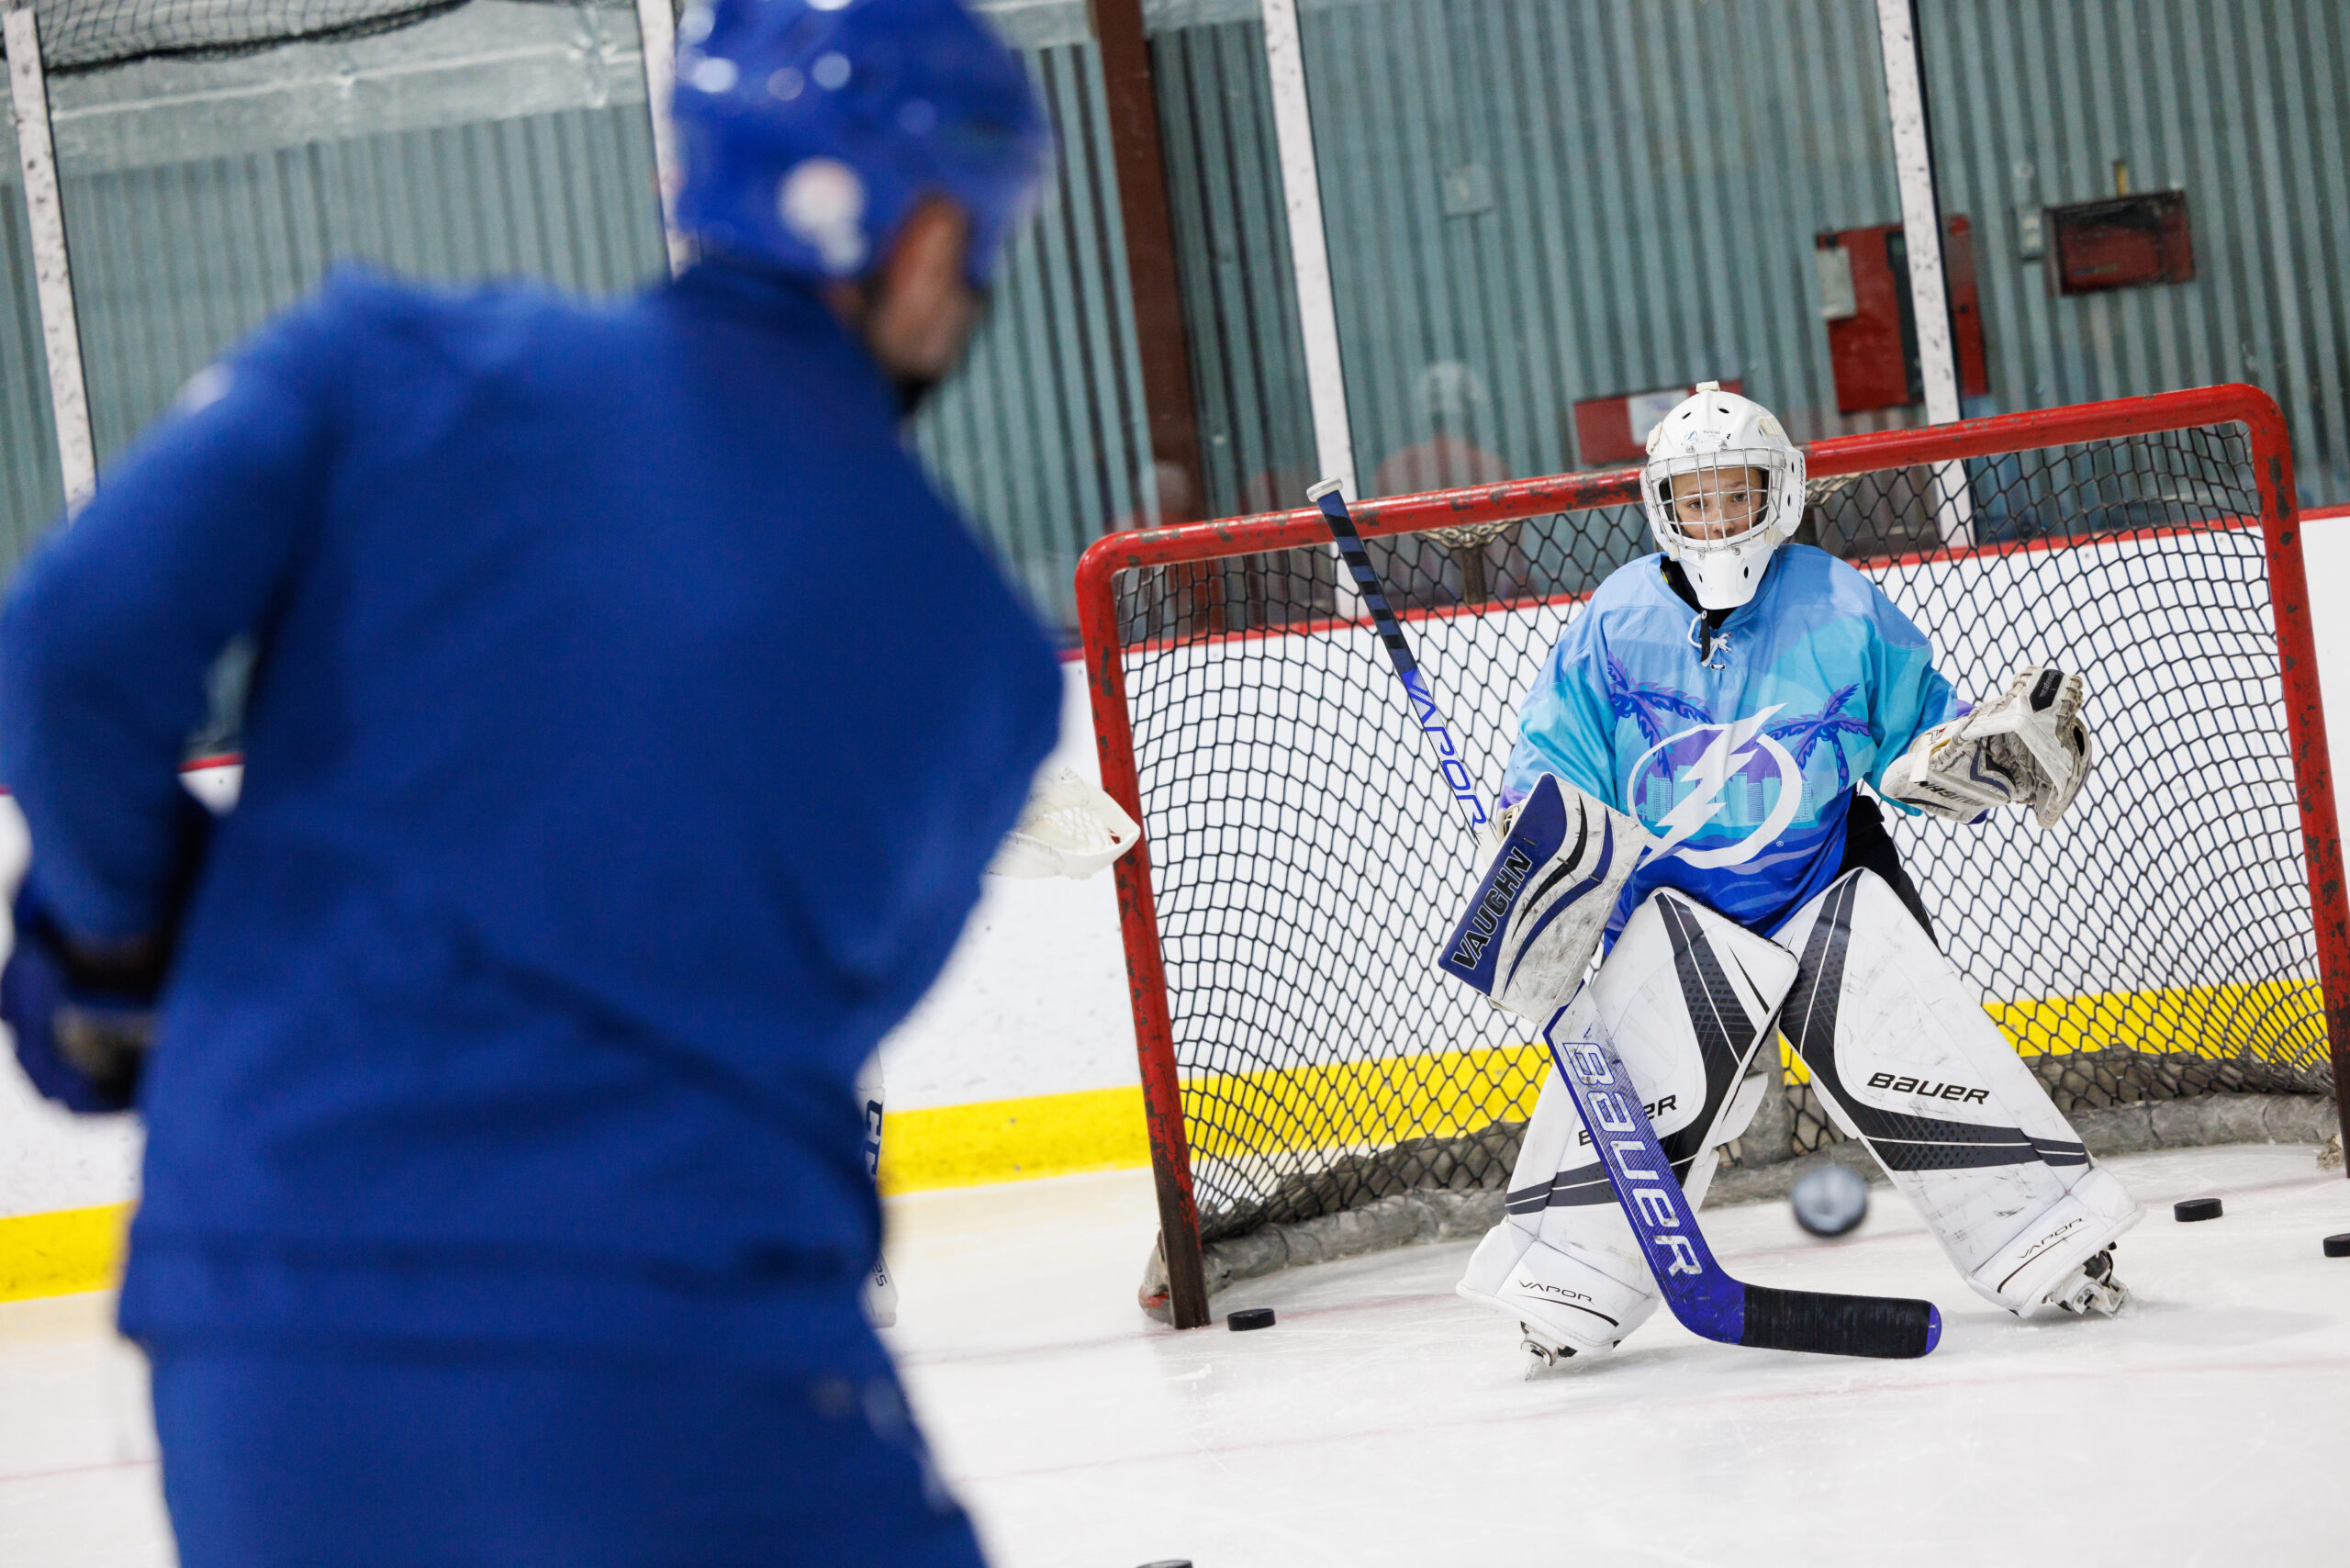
column 1706, row 1300
column 1449, row 759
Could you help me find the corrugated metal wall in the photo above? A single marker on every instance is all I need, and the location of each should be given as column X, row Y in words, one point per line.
column 1567, row 199
column 1223, row 188
column 1043, row 438
column 1528, row 202
column 2246, row 108
column 32, row 488
column 174, row 262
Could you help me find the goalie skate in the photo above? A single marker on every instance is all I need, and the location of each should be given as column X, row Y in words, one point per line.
column 1575, row 1299
column 2091, row 1289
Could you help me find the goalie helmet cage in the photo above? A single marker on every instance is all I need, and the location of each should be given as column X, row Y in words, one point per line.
column 2183, row 933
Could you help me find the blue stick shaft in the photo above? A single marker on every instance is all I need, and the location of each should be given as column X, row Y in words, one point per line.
column 1450, row 764
column 1705, row 1300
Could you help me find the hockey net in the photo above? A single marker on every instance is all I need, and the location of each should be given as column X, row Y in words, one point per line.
column 89, row 35
column 1303, row 1062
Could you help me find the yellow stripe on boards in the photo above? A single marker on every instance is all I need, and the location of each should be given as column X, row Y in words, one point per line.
column 1348, row 1104
column 1330, row 1105
column 62, row 1253
column 1012, row 1140
column 2279, row 1018
column 2282, row 1017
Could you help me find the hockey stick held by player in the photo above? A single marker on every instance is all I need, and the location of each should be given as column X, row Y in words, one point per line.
column 1070, row 828
column 501, row 1109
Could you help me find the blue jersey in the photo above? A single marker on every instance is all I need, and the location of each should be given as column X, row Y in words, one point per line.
column 1740, row 750
column 630, row 725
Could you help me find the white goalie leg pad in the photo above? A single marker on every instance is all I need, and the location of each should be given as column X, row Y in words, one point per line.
column 1538, row 916
column 1688, row 996
column 1573, row 1274
column 1906, row 1060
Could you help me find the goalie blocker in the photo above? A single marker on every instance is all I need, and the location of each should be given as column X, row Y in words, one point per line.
column 1899, row 1051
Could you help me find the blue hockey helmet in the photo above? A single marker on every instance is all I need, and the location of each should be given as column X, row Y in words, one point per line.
column 810, row 129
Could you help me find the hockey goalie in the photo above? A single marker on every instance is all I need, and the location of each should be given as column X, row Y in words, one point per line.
column 1683, row 798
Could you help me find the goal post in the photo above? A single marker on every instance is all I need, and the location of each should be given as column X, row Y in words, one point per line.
column 1309, row 1079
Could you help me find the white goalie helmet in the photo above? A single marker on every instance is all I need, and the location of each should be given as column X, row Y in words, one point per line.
column 1706, row 507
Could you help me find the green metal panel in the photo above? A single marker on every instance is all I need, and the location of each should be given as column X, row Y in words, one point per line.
column 1575, row 197
column 490, row 143
column 1566, row 198
column 1569, row 198
column 32, row 488
column 1232, row 243
column 2245, row 107
column 174, row 262
column 200, row 196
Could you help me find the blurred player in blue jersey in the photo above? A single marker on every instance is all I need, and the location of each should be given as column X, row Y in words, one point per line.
column 630, row 727
column 1710, row 717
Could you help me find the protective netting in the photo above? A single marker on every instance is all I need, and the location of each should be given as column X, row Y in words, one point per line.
column 2158, row 943
column 86, row 35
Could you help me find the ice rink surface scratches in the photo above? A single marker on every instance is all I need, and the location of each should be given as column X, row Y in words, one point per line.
column 1385, row 1420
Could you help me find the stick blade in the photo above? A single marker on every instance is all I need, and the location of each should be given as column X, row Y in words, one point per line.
column 1889, row 1327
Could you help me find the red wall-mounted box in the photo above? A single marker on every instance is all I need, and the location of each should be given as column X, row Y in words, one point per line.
column 1614, row 429
column 1872, row 337
column 2120, row 242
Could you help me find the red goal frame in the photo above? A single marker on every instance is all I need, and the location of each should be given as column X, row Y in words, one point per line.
column 2272, row 462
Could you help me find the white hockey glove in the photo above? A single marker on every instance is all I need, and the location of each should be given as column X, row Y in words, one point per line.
column 1537, row 916
column 1070, row 828
column 2028, row 747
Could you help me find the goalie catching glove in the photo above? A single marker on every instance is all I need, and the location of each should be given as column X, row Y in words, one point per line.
column 1069, row 828
column 2029, row 746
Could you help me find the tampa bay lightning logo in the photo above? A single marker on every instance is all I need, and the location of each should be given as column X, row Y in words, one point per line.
column 1704, row 758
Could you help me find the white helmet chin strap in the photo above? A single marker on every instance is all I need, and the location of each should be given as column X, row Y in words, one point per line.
column 1722, row 488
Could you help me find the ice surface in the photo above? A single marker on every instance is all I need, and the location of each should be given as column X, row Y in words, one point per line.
column 79, row 1487
column 1385, row 1420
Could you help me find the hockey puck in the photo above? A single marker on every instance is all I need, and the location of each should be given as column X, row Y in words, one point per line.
column 1249, row 1317
column 2188, row 1209
column 2338, row 1246
column 1829, row 1201
column 1169, row 1562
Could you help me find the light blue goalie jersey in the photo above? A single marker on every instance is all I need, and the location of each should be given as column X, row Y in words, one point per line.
column 1741, row 755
